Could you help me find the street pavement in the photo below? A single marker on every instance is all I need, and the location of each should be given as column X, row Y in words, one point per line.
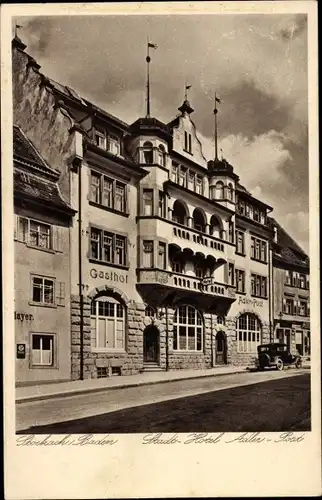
column 30, row 415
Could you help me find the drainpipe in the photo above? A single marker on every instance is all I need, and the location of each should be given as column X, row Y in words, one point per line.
column 212, row 341
column 166, row 339
column 80, row 272
column 270, row 290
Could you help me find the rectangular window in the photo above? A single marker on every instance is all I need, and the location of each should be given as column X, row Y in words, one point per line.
column 174, row 172
column 288, row 306
column 162, row 205
column 183, row 176
column 258, row 286
column 231, row 232
column 231, row 274
column 199, row 184
column 119, row 197
column 42, row 349
column 241, row 207
column 43, row 290
column 147, row 253
column 258, row 249
column 240, row 242
column 256, row 216
column 39, row 234
column 186, row 141
column 240, row 280
column 302, row 308
column 33, row 232
column 100, row 139
column 113, row 145
column 177, row 267
column 189, row 143
column 191, row 181
column 108, row 247
column 288, row 278
column 302, row 281
column 147, row 201
column 107, row 192
column 161, row 256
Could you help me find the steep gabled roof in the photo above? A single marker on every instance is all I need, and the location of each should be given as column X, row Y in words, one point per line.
column 24, row 150
column 286, row 249
column 34, row 180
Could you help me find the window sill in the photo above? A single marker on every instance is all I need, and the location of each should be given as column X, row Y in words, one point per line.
column 181, row 351
column 242, row 254
column 108, row 209
column 187, row 151
column 44, row 367
column 41, row 304
column 98, row 350
column 109, row 264
column 259, row 297
column 241, row 293
column 259, row 260
column 47, row 250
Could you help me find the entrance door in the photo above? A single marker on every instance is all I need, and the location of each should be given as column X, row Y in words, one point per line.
column 221, row 348
column 151, row 344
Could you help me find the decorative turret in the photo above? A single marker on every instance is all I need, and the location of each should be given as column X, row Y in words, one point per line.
column 186, row 107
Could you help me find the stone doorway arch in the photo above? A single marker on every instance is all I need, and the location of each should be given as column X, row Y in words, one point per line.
column 221, row 348
column 151, row 344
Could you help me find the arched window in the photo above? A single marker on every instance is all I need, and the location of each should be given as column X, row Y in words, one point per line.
column 179, row 213
column 149, row 311
column 148, row 152
column 219, row 192
column 215, row 226
column 220, row 320
column 107, row 324
column 230, row 192
column 249, row 331
column 199, row 221
column 187, row 329
column 161, row 153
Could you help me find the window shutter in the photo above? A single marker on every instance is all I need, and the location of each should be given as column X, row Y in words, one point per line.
column 60, row 293
column 56, row 232
column 127, row 199
column 21, row 228
column 308, row 308
column 16, row 226
column 284, row 305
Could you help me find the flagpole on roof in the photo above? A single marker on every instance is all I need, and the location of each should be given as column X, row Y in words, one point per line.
column 216, row 126
column 148, row 60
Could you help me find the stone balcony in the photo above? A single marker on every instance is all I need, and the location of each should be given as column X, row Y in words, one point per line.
column 178, row 281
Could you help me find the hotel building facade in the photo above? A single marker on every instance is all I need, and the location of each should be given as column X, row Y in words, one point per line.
column 170, row 256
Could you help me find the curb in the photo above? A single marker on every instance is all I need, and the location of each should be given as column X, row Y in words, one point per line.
column 76, row 392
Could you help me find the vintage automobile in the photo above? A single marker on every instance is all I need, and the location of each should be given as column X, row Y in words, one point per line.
column 276, row 355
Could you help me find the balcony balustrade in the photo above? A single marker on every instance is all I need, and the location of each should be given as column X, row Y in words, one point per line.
column 181, row 281
column 197, row 238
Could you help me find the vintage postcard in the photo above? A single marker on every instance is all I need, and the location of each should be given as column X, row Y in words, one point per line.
column 161, row 250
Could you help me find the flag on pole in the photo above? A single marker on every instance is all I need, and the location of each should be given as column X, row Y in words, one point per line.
column 188, row 87
column 218, row 100
column 152, row 45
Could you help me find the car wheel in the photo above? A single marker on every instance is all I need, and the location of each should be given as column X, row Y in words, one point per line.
column 298, row 363
column 279, row 364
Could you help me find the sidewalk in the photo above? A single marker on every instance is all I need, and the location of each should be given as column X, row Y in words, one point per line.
column 47, row 391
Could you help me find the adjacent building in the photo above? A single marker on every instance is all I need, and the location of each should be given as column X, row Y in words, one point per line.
column 291, row 292
column 42, row 272
column 170, row 256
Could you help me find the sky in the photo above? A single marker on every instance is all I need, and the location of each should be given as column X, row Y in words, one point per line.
column 256, row 63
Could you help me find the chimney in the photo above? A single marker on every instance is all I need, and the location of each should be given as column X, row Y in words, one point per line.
column 275, row 234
